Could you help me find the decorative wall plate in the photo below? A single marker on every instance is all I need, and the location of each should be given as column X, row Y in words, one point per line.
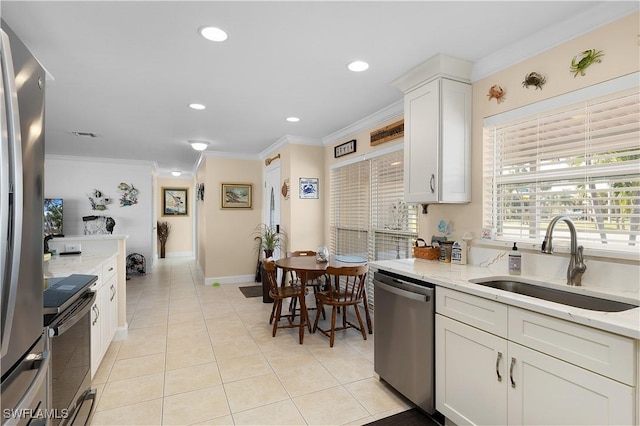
column 285, row 189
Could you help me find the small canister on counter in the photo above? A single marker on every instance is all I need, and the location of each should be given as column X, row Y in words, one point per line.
column 445, row 251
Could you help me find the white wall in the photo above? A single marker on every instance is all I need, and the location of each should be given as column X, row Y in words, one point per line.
column 74, row 178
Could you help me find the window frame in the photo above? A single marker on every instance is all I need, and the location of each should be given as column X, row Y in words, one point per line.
column 491, row 206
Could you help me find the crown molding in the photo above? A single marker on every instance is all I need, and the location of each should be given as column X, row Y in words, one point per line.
column 288, row 140
column 393, row 111
column 552, row 36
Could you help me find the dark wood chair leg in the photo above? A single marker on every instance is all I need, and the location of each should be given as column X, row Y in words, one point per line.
column 277, row 318
column 367, row 314
column 364, row 333
column 333, row 326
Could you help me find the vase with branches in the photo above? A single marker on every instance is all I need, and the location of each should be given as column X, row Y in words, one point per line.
column 164, row 228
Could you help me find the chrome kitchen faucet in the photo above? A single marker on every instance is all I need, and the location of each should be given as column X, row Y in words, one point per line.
column 576, row 264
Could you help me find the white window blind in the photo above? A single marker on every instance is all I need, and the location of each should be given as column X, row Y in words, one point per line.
column 393, row 222
column 350, row 206
column 582, row 161
column 369, row 218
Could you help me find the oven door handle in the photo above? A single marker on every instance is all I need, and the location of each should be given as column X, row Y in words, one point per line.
column 89, row 394
column 66, row 325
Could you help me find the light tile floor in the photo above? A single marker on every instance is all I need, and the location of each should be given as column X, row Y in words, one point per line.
column 204, row 355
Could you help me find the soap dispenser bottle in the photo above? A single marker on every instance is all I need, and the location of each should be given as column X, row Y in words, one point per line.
column 515, row 261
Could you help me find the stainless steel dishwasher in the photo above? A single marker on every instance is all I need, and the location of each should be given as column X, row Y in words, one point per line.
column 404, row 315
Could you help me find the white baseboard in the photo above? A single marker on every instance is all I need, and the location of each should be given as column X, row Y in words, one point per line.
column 230, row 279
column 122, row 333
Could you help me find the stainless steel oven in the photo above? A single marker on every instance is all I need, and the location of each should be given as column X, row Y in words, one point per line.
column 71, row 393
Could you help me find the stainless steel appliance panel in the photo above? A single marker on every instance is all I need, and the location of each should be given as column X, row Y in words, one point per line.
column 22, row 274
column 404, row 354
column 24, row 353
column 72, row 398
column 25, row 389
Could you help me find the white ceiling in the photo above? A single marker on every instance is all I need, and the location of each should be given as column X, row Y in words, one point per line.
column 127, row 70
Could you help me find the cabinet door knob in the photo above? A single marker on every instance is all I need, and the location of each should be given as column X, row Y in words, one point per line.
column 513, row 363
column 432, row 183
column 498, row 365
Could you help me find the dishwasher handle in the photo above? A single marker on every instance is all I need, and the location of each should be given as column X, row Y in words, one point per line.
column 404, row 293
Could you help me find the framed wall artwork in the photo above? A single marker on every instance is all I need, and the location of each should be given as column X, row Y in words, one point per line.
column 175, row 201
column 236, row 195
column 308, row 188
column 344, row 148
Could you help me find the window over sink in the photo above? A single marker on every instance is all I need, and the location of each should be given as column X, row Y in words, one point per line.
column 576, row 155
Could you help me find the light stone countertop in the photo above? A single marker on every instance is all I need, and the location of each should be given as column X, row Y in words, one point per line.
column 63, row 266
column 456, row 277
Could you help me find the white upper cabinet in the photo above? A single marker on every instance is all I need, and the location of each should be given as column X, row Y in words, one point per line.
column 437, row 135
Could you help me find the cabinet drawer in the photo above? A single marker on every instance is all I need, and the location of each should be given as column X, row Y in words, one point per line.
column 599, row 351
column 472, row 310
column 109, row 268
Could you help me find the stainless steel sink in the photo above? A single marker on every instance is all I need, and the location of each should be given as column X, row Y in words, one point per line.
column 555, row 295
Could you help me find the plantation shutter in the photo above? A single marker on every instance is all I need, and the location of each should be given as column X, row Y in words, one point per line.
column 581, row 161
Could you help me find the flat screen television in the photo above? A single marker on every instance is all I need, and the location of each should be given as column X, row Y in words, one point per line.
column 53, row 216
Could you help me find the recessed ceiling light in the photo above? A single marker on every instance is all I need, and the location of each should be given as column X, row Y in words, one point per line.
column 358, row 66
column 199, row 145
column 197, row 106
column 176, row 173
column 293, row 119
column 213, row 33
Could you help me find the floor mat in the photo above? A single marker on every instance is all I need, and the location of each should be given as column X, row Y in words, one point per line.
column 413, row 417
column 251, row 291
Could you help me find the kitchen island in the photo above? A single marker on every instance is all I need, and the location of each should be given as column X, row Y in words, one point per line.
column 102, row 256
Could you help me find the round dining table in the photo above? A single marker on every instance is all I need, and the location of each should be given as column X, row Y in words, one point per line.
column 307, row 268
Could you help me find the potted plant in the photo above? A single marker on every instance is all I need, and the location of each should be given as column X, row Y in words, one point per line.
column 163, row 235
column 269, row 239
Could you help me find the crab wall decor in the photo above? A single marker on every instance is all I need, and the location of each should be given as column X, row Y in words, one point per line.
column 496, row 92
column 534, row 79
column 583, row 59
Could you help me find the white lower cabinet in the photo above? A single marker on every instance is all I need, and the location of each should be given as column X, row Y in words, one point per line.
column 486, row 379
column 104, row 313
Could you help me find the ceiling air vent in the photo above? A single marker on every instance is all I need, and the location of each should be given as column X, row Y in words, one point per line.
column 85, row 134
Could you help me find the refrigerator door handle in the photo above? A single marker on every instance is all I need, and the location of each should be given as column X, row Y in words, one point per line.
column 15, row 201
column 41, row 362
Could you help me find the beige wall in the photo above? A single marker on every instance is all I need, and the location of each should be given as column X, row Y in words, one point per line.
column 180, row 240
column 618, row 41
column 306, row 219
column 228, row 237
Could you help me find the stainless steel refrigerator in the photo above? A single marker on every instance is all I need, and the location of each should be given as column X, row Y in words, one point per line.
column 24, row 349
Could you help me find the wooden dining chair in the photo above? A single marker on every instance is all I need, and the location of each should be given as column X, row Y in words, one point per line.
column 347, row 287
column 278, row 294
